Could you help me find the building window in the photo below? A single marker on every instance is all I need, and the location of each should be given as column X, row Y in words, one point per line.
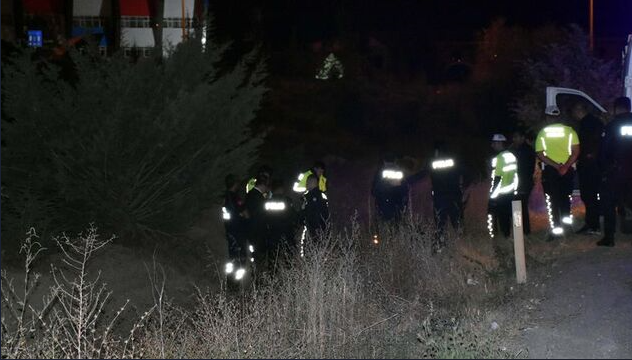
column 177, row 23
column 88, row 21
column 135, row 21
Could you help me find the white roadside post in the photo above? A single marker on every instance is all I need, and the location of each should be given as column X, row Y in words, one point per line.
column 518, row 234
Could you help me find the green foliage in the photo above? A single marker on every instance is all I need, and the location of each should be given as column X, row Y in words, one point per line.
column 139, row 148
column 568, row 63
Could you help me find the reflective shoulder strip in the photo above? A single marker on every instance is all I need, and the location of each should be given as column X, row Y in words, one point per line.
column 298, row 188
column 509, row 157
column 494, row 161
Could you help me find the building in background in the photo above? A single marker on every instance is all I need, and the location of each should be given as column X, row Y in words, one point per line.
column 137, row 34
column 47, row 17
column 178, row 22
column 90, row 20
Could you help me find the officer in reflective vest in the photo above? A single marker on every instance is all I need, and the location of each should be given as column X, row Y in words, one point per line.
column 557, row 147
column 318, row 169
column 616, row 162
column 447, row 195
column 504, row 187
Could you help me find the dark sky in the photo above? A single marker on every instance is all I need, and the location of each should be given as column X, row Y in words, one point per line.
column 440, row 19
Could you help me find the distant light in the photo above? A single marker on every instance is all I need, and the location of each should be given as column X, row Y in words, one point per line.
column 239, row 274
column 251, row 248
column 376, row 239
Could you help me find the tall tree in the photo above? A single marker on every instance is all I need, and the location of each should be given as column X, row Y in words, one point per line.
column 139, row 148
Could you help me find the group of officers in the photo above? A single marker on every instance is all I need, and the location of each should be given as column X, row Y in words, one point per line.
column 601, row 154
column 267, row 220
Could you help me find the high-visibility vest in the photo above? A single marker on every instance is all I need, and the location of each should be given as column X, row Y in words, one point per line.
column 251, row 184
column 505, row 167
column 556, row 142
column 300, row 185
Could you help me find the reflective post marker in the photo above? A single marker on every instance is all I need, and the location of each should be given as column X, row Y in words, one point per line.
column 518, row 234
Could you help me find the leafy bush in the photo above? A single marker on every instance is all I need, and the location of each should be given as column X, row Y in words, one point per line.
column 137, row 147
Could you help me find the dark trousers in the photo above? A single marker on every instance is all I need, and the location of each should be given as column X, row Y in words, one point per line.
column 617, row 192
column 558, row 190
column 447, row 206
column 524, row 199
column 589, row 184
column 500, row 210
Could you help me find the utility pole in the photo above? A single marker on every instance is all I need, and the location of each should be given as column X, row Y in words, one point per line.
column 592, row 24
column 184, row 22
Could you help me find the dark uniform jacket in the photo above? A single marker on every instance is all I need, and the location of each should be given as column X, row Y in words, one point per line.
column 315, row 211
column 590, row 130
column 525, row 156
column 616, row 151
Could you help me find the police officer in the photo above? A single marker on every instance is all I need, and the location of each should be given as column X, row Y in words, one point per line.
column 318, row 169
column 590, row 130
column 315, row 208
column 525, row 154
column 281, row 218
column 447, row 196
column 616, row 160
column 504, row 187
column 389, row 190
column 557, row 147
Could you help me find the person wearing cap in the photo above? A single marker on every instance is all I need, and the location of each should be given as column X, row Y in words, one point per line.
column 504, row 186
column 446, row 176
column 318, row 169
column 616, row 162
column 557, row 147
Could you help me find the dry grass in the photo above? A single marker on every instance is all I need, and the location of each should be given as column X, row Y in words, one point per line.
column 345, row 299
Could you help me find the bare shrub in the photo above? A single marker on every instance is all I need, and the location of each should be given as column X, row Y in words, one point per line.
column 72, row 321
column 342, row 299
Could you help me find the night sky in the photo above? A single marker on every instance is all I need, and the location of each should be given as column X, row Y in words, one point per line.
column 456, row 20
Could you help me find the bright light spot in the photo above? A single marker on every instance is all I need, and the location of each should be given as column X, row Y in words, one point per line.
column 626, row 130
column 251, row 248
column 239, row 274
column 229, row 268
column 509, row 157
column 225, row 214
column 376, row 239
column 567, row 220
column 510, row 167
column 252, row 259
column 275, row 206
column 324, row 196
column 443, row 164
column 557, row 231
column 392, row 174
